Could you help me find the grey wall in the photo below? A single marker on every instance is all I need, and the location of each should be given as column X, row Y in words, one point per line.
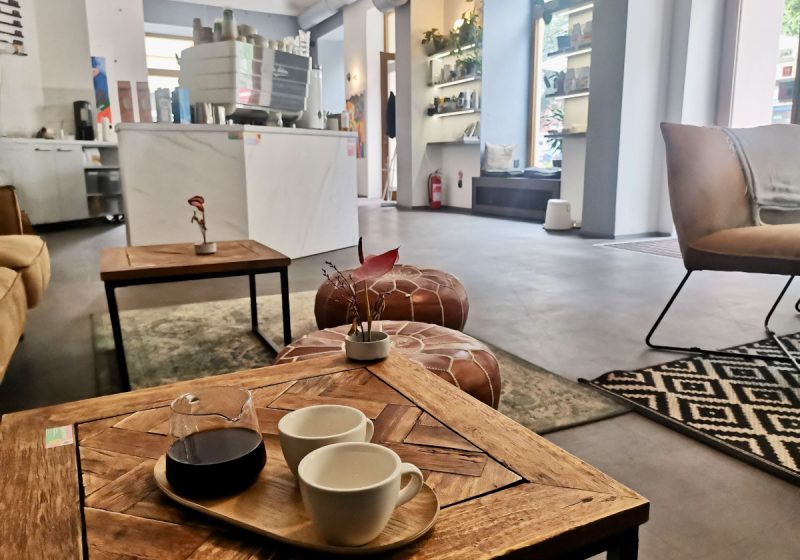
column 506, row 69
column 331, row 60
column 609, row 28
column 321, row 29
column 167, row 12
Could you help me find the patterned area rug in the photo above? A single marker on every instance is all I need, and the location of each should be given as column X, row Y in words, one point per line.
column 747, row 408
column 665, row 247
column 169, row 344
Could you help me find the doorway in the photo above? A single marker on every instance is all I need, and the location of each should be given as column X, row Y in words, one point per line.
column 388, row 128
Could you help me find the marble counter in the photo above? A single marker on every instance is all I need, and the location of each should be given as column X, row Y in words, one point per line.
column 291, row 189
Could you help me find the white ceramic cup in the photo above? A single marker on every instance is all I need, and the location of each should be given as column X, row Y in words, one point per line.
column 351, row 489
column 310, row 428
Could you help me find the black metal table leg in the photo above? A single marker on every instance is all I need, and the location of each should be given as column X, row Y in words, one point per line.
column 119, row 349
column 287, row 318
column 627, row 547
column 254, row 316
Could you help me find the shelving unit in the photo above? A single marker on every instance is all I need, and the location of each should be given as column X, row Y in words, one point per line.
column 103, row 183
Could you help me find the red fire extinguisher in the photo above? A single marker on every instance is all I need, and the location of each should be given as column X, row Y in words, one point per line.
column 435, row 189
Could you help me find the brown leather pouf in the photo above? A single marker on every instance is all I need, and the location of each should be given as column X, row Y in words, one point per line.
column 417, row 294
column 454, row 356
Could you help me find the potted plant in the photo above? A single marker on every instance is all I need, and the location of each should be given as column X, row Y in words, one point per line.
column 469, row 30
column 362, row 343
column 204, row 248
column 433, row 41
column 470, row 64
column 541, row 11
column 555, row 125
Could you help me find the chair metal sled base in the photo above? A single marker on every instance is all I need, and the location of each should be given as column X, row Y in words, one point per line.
column 787, row 356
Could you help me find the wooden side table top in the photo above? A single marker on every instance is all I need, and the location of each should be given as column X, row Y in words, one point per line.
column 177, row 259
column 503, row 489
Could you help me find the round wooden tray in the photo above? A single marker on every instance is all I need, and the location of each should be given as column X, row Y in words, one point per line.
column 272, row 507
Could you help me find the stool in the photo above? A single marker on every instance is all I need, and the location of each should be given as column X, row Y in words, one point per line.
column 417, row 294
column 452, row 355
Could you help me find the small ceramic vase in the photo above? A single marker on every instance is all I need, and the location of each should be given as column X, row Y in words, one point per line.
column 377, row 348
column 205, row 248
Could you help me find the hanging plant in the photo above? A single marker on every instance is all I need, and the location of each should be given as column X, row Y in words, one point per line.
column 541, row 11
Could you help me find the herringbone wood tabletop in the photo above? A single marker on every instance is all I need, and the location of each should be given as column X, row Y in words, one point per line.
column 502, row 488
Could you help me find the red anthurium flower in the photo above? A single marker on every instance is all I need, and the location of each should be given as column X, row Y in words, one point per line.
column 197, row 201
column 376, row 266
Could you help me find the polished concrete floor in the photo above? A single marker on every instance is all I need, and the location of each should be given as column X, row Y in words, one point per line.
column 555, row 300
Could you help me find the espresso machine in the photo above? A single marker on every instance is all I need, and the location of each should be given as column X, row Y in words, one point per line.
column 84, row 120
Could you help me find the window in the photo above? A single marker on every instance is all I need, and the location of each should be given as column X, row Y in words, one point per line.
column 785, row 74
column 162, row 63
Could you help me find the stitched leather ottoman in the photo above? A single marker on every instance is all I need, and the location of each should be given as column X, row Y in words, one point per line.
column 452, row 355
column 417, row 294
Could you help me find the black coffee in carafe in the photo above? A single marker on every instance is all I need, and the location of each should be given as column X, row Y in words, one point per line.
column 216, row 462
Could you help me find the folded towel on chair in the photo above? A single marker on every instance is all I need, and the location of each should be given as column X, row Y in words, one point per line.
column 771, row 166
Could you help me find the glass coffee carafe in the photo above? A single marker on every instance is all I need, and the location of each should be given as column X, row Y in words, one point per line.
column 217, row 448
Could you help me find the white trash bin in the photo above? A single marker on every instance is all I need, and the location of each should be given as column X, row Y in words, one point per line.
column 558, row 216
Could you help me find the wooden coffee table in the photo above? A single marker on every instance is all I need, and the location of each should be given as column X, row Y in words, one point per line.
column 177, row 262
column 504, row 490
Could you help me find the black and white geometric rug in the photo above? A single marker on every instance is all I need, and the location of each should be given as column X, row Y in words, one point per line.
column 663, row 247
column 747, row 408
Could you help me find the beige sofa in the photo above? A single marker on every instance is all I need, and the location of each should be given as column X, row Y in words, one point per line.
column 24, row 274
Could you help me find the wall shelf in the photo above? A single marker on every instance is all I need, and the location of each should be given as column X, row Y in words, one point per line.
column 567, row 54
column 572, row 95
column 455, row 113
column 455, row 143
column 452, row 52
column 566, row 135
column 456, row 82
column 101, row 167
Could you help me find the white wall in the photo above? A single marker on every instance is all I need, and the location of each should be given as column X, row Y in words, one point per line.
column 644, row 100
column 454, row 159
column 672, row 69
column 756, row 53
column 363, row 42
column 414, row 128
column 65, row 65
column 116, row 32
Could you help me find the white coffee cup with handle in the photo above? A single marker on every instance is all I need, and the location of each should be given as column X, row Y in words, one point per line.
column 351, row 489
column 306, row 429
